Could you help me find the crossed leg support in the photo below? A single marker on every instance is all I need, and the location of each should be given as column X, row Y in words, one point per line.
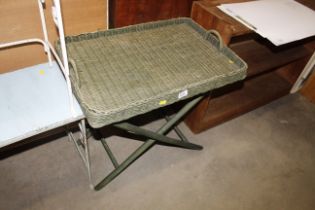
column 152, row 138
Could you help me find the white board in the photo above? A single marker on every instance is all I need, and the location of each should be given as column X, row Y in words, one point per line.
column 280, row 21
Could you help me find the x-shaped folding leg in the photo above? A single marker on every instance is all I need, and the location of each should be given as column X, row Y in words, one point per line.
column 156, row 136
column 153, row 137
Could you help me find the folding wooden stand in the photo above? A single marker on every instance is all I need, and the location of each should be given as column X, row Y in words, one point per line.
column 153, row 137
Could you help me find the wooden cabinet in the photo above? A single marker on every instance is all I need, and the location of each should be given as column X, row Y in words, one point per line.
column 128, row 12
column 272, row 70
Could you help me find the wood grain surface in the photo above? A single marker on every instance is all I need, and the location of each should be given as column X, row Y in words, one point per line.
column 20, row 20
column 128, row 12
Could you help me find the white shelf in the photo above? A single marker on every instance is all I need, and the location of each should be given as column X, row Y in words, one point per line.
column 34, row 100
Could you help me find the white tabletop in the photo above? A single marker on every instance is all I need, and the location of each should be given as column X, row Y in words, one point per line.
column 281, row 21
column 34, row 100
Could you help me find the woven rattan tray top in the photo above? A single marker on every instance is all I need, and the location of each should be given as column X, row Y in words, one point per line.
column 121, row 73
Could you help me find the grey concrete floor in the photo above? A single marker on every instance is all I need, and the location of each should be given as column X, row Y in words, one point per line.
column 262, row 160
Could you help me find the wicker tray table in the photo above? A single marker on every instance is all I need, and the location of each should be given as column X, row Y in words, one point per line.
column 125, row 72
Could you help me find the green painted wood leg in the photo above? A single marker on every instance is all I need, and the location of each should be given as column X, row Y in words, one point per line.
column 147, row 145
column 109, row 152
column 158, row 137
column 135, row 155
column 177, row 131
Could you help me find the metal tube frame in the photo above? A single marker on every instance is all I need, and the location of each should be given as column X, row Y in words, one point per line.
column 82, row 147
column 48, row 48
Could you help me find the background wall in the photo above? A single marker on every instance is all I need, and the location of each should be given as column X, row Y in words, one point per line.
column 19, row 19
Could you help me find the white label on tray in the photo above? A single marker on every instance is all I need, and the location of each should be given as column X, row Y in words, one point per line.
column 182, row 94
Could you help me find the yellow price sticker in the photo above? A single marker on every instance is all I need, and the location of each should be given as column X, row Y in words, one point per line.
column 163, row 102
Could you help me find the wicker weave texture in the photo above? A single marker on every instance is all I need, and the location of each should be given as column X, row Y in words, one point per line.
column 121, row 73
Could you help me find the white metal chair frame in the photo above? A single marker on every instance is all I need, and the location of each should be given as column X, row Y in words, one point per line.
column 81, row 143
